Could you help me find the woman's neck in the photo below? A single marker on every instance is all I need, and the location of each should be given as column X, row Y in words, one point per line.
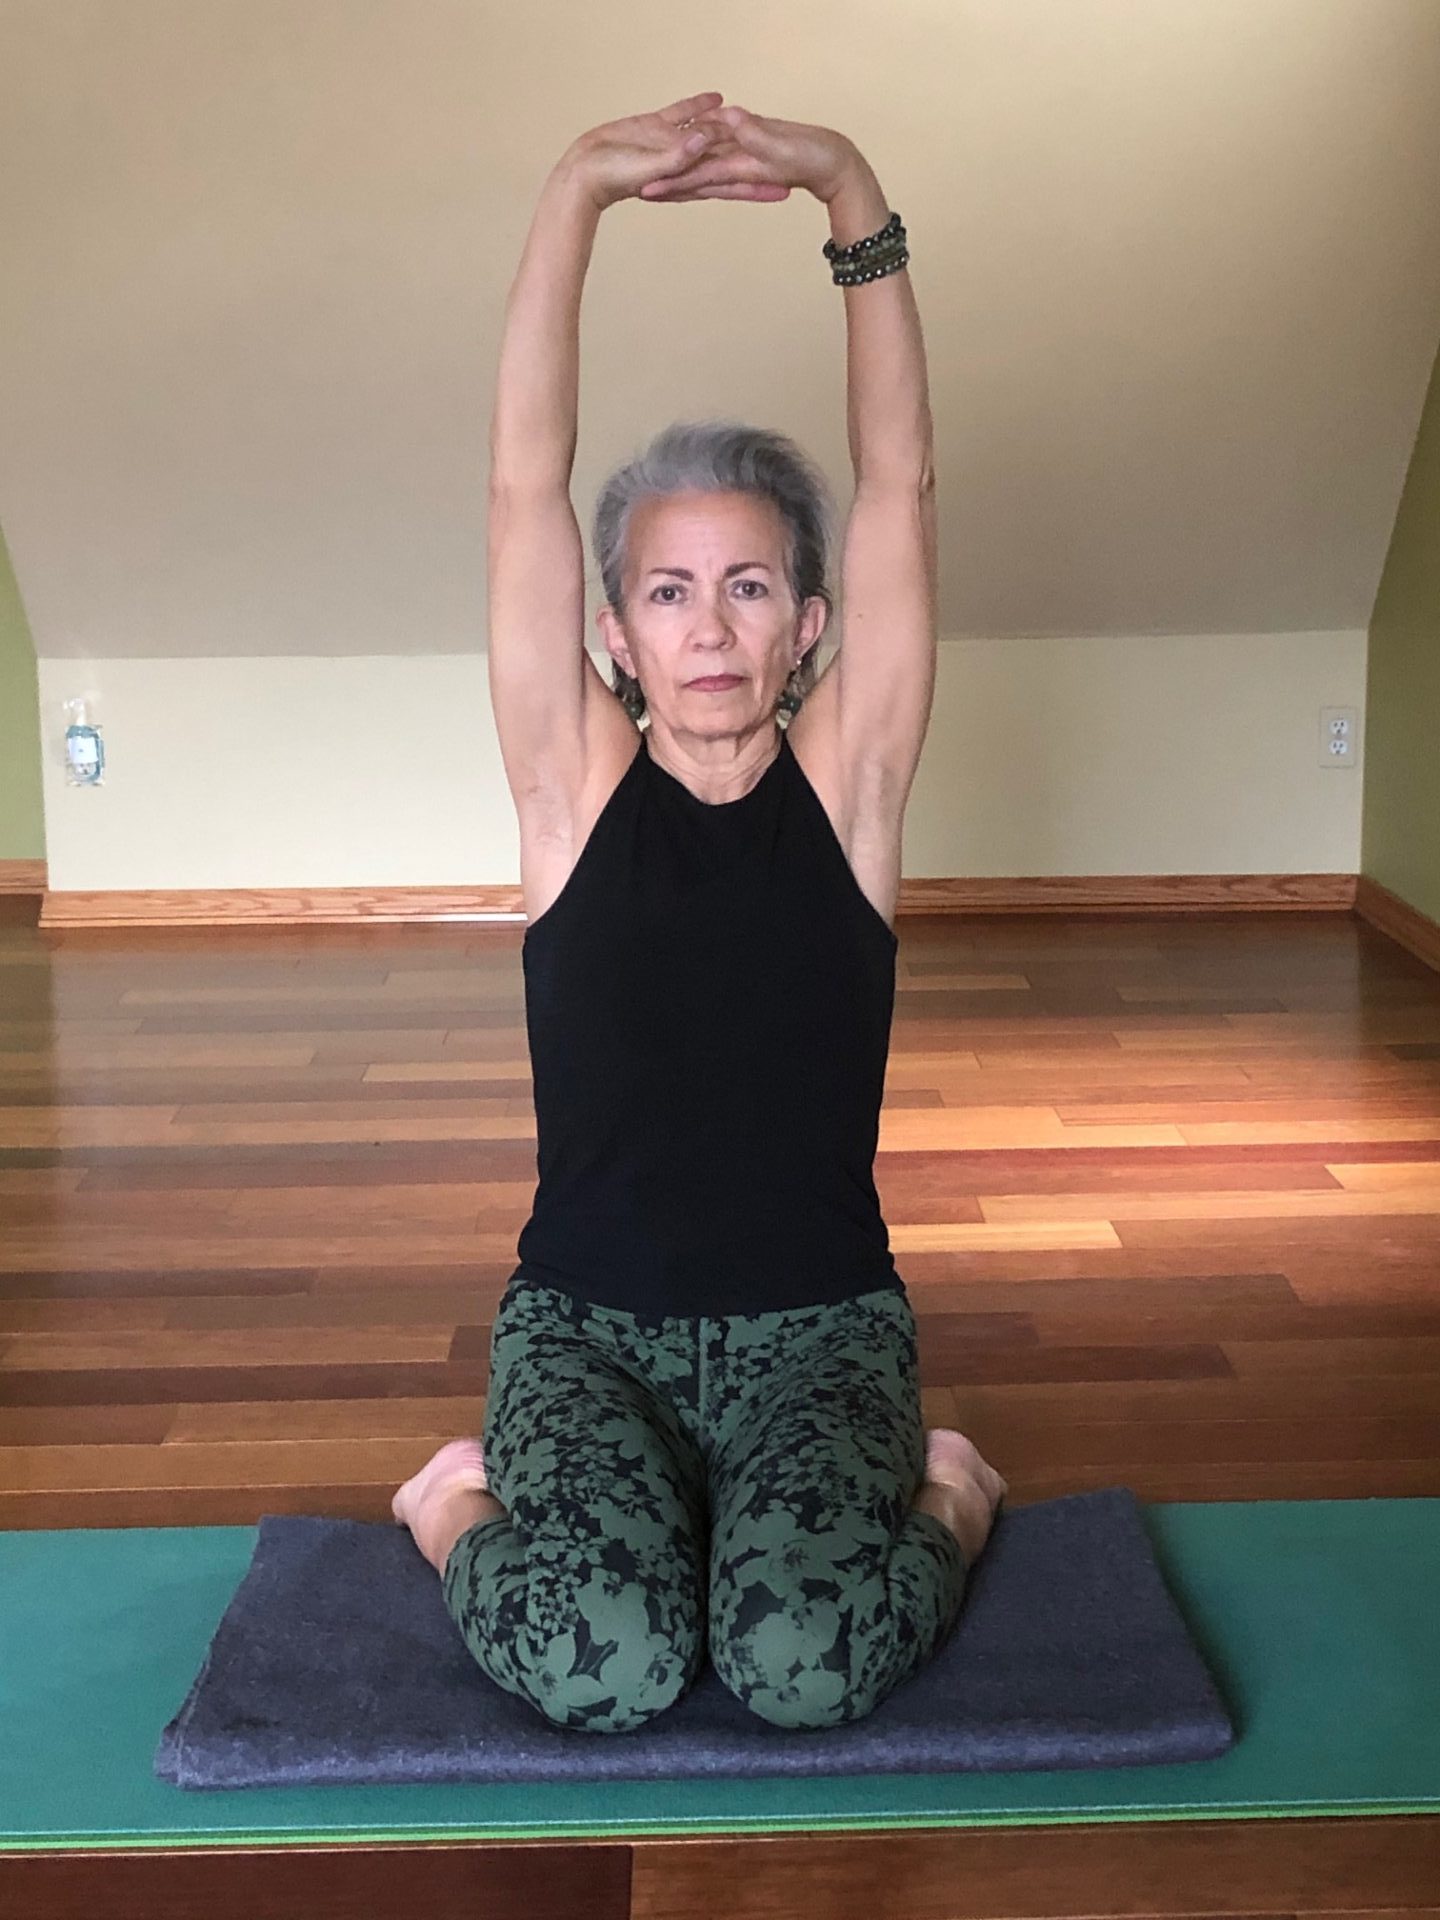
column 716, row 783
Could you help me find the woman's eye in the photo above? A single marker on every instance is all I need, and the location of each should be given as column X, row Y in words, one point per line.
column 760, row 584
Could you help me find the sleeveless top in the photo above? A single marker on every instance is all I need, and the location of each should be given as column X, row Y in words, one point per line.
column 708, row 1003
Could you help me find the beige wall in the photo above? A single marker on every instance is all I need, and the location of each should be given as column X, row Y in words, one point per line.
column 1175, row 754
column 1401, row 839
column 1179, row 269
column 22, row 819
column 1178, row 265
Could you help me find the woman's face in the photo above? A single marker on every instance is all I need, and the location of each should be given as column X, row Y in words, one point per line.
column 706, row 595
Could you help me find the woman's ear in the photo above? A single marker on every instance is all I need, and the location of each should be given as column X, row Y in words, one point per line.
column 815, row 620
column 612, row 632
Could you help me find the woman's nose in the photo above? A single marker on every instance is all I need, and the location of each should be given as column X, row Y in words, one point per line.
column 712, row 617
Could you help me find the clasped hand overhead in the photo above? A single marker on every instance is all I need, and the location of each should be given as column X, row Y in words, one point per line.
column 700, row 149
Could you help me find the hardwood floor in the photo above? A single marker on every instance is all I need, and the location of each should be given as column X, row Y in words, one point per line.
column 1165, row 1191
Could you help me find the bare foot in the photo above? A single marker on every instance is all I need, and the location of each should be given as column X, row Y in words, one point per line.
column 449, row 1495
column 961, row 1489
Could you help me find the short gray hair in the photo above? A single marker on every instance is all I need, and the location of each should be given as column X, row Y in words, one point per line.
column 722, row 456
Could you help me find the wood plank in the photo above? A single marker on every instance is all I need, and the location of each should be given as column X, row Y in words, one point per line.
column 901, row 1197
column 1342, row 1320
column 1008, row 1210
column 37, row 1182
column 483, row 1165
column 335, row 1882
column 326, row 1419
column 94, row 1283
column 193, row 1212
column 258, row 1466
column 159, row 1126
column 1402, row 1353
column 119, row 1250
column 972, row 1168
column 75, row 1316
column 167, row 1349
column 1154, row 1404
column 103, row 1425
column 192, row 1506
column 155, row 1386
column 1167, row 1868
column 1115, row 1447
column 959, row 1236
column 1018, row 1126
column 447, row 1305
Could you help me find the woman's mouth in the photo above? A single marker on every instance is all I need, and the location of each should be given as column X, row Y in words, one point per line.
column 715, row 682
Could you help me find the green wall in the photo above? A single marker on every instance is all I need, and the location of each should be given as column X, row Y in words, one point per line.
column 1400, row 842
column 22, row 816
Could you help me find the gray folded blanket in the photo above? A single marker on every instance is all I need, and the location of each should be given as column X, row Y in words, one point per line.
column 337, row 1663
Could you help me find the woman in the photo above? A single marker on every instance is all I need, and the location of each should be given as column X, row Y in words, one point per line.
column 703, row 1430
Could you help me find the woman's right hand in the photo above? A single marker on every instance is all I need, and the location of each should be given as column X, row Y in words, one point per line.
column 613, row 162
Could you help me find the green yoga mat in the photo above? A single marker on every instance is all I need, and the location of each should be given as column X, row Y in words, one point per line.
column 1317, row 1618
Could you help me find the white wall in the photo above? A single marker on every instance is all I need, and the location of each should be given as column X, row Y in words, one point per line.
column 1122, row 755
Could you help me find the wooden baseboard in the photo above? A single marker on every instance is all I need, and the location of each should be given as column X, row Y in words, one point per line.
column 280, row 906
column 1134, row 893
column 1404, row 924
column 23, row 876
column 1059, row 894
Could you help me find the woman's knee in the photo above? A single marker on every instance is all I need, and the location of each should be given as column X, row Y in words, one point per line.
column 622, row 1689
column 610, row 1656
column 791, row 1664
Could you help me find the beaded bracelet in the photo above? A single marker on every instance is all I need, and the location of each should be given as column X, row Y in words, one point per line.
column 892, row 229
column 872, row 258
column 853, row 277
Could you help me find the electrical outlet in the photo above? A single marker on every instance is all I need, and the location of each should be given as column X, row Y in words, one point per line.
column 1339, row 736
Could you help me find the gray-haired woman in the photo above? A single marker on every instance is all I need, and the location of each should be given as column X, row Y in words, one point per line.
column 703, row 1431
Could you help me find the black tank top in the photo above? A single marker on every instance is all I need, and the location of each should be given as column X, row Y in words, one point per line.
column 709, row 1003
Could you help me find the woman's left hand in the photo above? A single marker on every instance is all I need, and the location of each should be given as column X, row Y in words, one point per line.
column 753, row 158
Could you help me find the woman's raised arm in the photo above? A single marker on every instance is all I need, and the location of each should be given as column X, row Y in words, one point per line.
column 537, row 388
column 542, row 682
column 891, row 434
column 880, row 686
column 890, row 427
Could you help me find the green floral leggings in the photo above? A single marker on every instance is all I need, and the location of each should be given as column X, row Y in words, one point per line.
column 739, row 1486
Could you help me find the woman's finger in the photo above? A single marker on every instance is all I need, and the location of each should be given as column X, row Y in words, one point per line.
column 741, row 123
column 690, row 109
column 702, row 176
column 725, row 163
column 759, row 190
column 716, row 142
column 692, row 189
column 691, row 148
column 716, row 193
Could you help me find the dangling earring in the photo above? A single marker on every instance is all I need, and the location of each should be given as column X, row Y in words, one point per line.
column 628, row 692
column 792, row 698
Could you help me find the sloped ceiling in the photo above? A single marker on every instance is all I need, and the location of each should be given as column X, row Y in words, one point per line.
column 1178, row 264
